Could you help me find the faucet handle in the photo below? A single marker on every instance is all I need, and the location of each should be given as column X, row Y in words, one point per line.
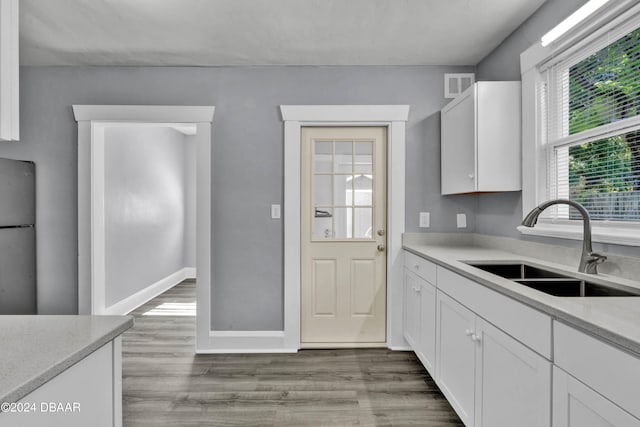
column 592, row 261
column 596, row 258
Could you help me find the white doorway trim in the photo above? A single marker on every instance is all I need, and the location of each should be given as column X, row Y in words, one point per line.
column 92, row 121
column 394, row 117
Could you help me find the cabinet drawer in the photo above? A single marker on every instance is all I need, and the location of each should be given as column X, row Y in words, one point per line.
column 420, row 266
column 527, row 325
column 612, row 372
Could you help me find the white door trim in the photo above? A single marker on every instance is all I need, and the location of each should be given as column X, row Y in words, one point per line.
column 394, row 117
column 92, row 120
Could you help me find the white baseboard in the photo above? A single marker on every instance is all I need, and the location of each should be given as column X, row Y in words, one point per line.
column 221, row 342
column 246, row 342
column 134, row 301
column 400, row 348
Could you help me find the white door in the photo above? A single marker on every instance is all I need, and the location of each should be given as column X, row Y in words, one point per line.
column 576, row 405
column 343, row 230
column 513, row 383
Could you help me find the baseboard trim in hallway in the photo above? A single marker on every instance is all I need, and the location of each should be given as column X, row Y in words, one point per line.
column 134, row 301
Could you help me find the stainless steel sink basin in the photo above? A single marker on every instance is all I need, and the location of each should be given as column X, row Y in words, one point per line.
column 553, row 283
column 575, row 288
column 516, row 271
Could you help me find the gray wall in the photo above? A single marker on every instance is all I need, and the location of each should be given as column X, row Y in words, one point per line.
column 247, row 289
column 145, row 212
column 500, row 214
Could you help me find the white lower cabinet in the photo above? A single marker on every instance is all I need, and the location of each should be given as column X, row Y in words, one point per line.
column 490, row 356
column 513, row 383
column 420, row 318
column 411, row 308
column 426, row 345
column 576, row 405
column 594, row 383
column 490, row 379
column 455, row 355
column 88, row 393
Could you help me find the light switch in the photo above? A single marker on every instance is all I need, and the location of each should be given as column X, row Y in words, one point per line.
column 425, row 219
column 461, row 220
column 275, row 211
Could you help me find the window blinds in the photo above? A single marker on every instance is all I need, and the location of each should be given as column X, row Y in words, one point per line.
column 591, row 114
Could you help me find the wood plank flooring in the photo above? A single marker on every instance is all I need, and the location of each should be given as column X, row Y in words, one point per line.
column 166, row 384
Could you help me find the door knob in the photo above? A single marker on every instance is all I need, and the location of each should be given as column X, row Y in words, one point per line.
column 380, row 248
column 380, row 232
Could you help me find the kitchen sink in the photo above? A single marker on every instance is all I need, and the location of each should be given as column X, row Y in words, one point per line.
column 553, row 283
column 517, row 271
column 575, row 288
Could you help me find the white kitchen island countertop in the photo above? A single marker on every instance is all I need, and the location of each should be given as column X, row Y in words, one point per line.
column 34, row 349
column 615, row 319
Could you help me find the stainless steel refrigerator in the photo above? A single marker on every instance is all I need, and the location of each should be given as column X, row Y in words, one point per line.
column 17, row 237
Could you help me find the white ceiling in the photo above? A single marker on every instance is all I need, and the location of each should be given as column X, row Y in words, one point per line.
column 266, row 32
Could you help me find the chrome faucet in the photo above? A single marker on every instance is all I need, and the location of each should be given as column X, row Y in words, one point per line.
column 589, row 260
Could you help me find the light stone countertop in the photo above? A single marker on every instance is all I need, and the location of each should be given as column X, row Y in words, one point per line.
column 615, row 319
column 34, row 349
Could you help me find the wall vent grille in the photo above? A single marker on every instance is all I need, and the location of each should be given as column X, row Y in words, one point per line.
column 456, row 83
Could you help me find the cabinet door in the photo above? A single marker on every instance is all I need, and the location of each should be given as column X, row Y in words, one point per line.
column 86, row 394
column 411, row 309
column 455, row 355
column 576, row 405
column 513, row 383
column 427, row 338
column 458, row 152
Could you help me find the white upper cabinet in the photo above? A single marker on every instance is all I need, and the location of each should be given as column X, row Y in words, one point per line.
column 9, row 71
column 480, row 144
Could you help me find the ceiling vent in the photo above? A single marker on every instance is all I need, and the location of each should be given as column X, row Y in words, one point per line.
column 456, row 83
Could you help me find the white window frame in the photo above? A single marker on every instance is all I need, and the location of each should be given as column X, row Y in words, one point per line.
column 534, row 165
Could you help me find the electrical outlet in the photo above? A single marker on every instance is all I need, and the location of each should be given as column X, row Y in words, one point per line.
column 425, row 219
column 461, row 219
column 275, row 211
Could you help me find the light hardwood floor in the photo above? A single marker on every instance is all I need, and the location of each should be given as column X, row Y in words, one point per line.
column 166, row 384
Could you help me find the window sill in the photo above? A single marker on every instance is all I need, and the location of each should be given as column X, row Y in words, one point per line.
column 626, row 236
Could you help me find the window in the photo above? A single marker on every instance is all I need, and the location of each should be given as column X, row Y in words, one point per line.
column 586, row 122
column 342, row 189
column 593, row 131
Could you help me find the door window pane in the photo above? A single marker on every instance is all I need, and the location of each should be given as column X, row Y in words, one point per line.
column 342, row 223
column 363, row 223
column 323, row 223
column 343, row 161
column 363, row 190
column 322, row 190
column 364, row 157
column 322, row 156
column 342, row 190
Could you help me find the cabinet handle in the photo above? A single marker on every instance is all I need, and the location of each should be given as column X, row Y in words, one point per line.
column 471, row 176
column 418, row 289
column 476, row 338
column 468, row 333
